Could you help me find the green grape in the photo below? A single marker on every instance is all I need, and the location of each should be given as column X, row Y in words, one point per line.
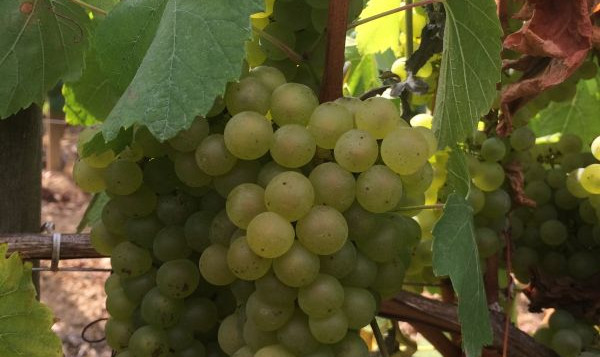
column 583, row 265
column 89, row 179
column 241, row 289
column 112, row 282
column 270, row 235
column 188, row 140
column 196, row 230
column 569, row 143
column 118, row 304
column 141, row 203
column 378, row 189
column 561, row 319
column 196, row 349
column 178, row 278
column 136, row 287
column 330, row 329
column 566, row 343
column 243, row 172
column 249, row 94
column 274, row 350
column 122, row 177
column 586, row 331
column 363, row 273
column 360, row 222
column 359, row 306
column 595, row 147
column 117, row 333
column 587, row 212
column 489, row 176
column 389, row 278
column 419, row 181
column 161, row 310
column 590, row 179
column 356, row 150
column 322, row 297
column 378, row 116
column 170, row 244
column 554, row 263
column 384, row 243
column 255, row 56
column 268, row 171
column 572, row 161
column 323, row 230
column 149, row 341
column 266, row 316
column 212, row 201
column 294, row 15
column 102, row 240
column 563, row 199
column 269, row 283
column 114, row 219
column 283, row 35
column 289, row 194
column 174, row 209
column 213, row 265
column 221, row 229
column 421, row 120
column 488, row 242
column 255, row 338
column 188, row 171
column 248, row 135
column 340, row 263
column 497, row 204
column 244, row 203
column 524, row 258
column 160, row 176
column 556, row 177
column 522, row 139
column 245, row 351
column 573, row 184
column 270, row 77
column 333, row 186
column 404, row 150
column 322, row 351
column 199, row 315
column 585, row 235
column 129, row 260
column 328, row 122
column 244, row 263
column 133, row 152
column 476, row 199
column 295, row 335
column 297, row 267
column 293, row 103
column 151, row 147
column 493, row 149
column 213, row 157
column 350, row 103
column 352, row 345
column 539, row 192
column 293, row 146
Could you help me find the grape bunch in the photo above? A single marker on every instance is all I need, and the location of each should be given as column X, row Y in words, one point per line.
column 272, row 228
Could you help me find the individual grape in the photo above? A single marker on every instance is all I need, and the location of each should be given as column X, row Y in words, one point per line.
column 245, row 202
column 122, row 177
column 389, row 279
column 378, row 116
column 489, row 176
column 270, row 235
column 563, row 199
column 269, row 283
column 149, row 341
column 174, row 209
column 118, row 305
column 363, row 273
column 118, row 333
column 421, row 120
column 359, row 306
column 112, row 282
column 102, row 240
column 384, row 243
column 129, row 260
column 245, row 351
column 138, row 204
column 293, row 146
column 170, row 244
column 328, row 122
column 114, row 219
column 196, row 349
column 160, row 310
column 249, row 94
column 248, row 135
column 322, row 297
column 213, row 265
column 352, row 345
column 199, row 314
column 476, row 199
column 151, row 147
column 136, row 287
column 330, row 329
column 360, row 222
column 398, row 68
column 524, row 258
column 590, row 179
column 323, row 230
column 213, row 157
column 292, row 103
column 553, row 232
column 595, row 147
column 159, row 175
column 586, row 331
column 274, row 350
column 356, row 150
column 497, row 204
column 268, row 171
column 539, row 192
column 270, row 77
column 256, row 338
column 188, row 171
column 268, row 317
column 289, row 194
column 572, row 161
column 493, row 149
column 583, row 265
column 98, row 160
column 294, row 15
column 378, row 189
column 188, row 140
column 522, row 139
column 295, row 335
column 196, row 230
column 340, row 263
column 404, row 150
column 230, row 335
column 88, row 178
column 178, row 278
column 297, row 267
column 488, row 242
column 221, row 229
column 573, row 184
column 561, row 319
column 350, row 103
column 556, row 177
column 244, row 263
column 243, row 172
column 429, row 136
column 569, row 143
column 566, row 343
column 333, row 186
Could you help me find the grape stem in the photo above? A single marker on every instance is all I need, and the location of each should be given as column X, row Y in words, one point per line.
column 289, row 52
column 392, row 11
column 379, row 338
column 333, row 76
column 411, row 208
column 90, row 7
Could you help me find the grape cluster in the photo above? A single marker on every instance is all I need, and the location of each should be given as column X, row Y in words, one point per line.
column 268, row 229
column 566, row 335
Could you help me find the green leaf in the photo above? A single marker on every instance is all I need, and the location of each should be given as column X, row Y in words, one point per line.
column 105, row 5
column 97, row 144
column 383, row 33
column 470, row 68
column 39, row 46
column 455, row 254
column 363, row 75
column 93, row 212
column 577, row 116
column 25, row 323
column 458, row 172
column 198, row 47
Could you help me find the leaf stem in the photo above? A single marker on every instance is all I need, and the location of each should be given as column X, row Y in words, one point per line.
column 379, row 338
column 411, row 208
column 90, row 7
column 392, row 11
column 292, row 55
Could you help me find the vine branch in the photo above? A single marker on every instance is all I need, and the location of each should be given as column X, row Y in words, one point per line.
column 379, row 338
column 392, row 11
column 333, row 78
column 90, row 7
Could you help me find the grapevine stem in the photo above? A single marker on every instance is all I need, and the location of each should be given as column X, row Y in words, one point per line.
column 392, row 11
column 90, row 7
column 411, row 208
column 292, row 55
column 379, row 339
column 409, row 30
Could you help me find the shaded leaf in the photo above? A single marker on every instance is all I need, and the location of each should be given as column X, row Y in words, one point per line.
column 93, row 212
column 455, row 254
column 458, row 172
column 25, row 323
column 42, row 42
column 97, row 144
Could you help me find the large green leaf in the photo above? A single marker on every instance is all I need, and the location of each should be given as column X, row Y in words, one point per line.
column 455, row 254
column 381, row 34
column 458, row 172
column 198, row 47
column 578, row 116
column 41, row 42
column 470, row 68
column 24, row 322
column 363, row 74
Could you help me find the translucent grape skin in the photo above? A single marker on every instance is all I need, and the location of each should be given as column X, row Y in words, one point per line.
column 88, row 178
column 323, row 230
column 178, row 278
column 213, row 265
column 213, row 157
column 249, row 94
column 328, row 122
column 322, row 297
column 378, row 116
column 270, row 235
column 590, row 179
column 244, row 203
column 248, row 135
column 404, row 150
column 122, row 177
column 356, row 150
column 293, row 146
column 333, row 185
column 292, row 103
column 244, row 263
column 270, row 77
column 378, row 189
column 289, row 194
column 297, row 267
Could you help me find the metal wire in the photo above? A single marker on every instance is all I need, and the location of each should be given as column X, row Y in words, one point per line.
column 87, row 327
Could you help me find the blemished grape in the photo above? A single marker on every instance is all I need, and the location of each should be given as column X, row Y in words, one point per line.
column 378, row 116
column 321, row 298
column 297, row 267
column 292, row 103
column 187, row 140
column 149, row 341
column 178, row 278
column 328, row 122
column 404, row 150
column 244, row 263
column 88, row 178
column 122, row 177
column 289, row 194
column 323, row 230
column 378, row 189
column 249, row 94
column 267, row 316
column 248, row 135
column 293, row 146
column 270, row 235
column 161, row 310
column 213, row 157
column 356, row 150
column 129, row 260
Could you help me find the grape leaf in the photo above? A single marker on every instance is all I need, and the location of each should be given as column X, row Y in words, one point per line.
column 24, row 322
column 363, row 74
column 97, row 144
column 578, row 116
column 470, row 68
column 458, row 172
column 455, row 254
column 42, row 42
column 381, row 34
column 198, row 47
column 93, row 212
